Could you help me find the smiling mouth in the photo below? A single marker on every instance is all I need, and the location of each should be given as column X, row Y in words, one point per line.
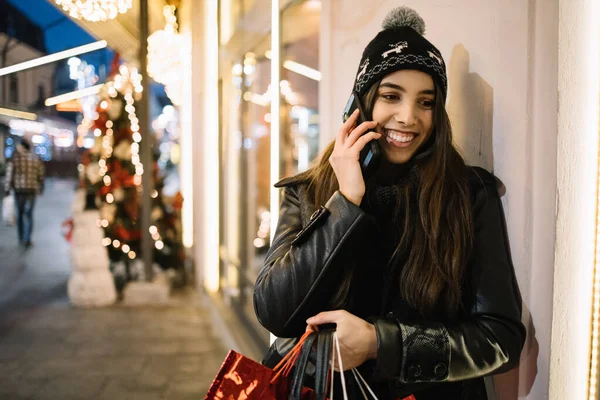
column 399, row 138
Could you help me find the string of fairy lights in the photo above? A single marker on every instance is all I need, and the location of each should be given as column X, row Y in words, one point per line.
column 95, row 10
column 128, row 82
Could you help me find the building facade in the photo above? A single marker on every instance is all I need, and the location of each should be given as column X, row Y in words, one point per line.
column 20, row 40
column 523, row 99
column 504, row 62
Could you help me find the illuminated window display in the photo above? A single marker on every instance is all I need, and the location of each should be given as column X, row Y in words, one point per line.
column 246, row 145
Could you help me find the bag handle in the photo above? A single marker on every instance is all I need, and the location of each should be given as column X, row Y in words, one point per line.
column 300, row 367
column 362, row 383
column 284, row 366
column 327, row 342
column 336, row 345
column 324, row 348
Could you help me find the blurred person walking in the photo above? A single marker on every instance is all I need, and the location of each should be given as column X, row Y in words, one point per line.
column 25, row 176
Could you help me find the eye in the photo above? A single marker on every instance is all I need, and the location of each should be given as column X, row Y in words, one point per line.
column 427, row 103
column 390, row 96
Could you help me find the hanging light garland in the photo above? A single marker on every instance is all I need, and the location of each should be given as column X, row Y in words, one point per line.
column 95, row 10
column 128, row 82
column 165, row 49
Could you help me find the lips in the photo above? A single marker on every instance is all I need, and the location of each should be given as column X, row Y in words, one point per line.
column 399, row 138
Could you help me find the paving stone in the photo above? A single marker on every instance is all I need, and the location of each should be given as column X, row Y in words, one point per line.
column 183, row 396
column 118, row 388
column 204, row 369
column 144, row 293
column 186, row 385
column 11, row 388
column 174, row 331
column 144, row 396
column 201, row 346
column 18, row 389
column 106, row 366
column 73, row 387
column 172, row 366
column 148, row 379
column 143, row 382
column 129, row 347
column 13, row 369
column 43, row 351
column 29, row 336
column 150, row 332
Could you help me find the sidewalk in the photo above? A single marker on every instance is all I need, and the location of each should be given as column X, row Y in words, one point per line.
column 50, row 350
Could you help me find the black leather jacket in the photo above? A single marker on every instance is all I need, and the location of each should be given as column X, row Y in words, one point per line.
column 433, row 359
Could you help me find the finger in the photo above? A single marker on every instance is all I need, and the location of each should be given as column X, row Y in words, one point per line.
column 346, row 128
column 358, row 132
column 326, row 317
column 363, row 140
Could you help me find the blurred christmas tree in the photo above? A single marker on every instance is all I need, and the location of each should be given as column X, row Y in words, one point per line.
column 114, row 169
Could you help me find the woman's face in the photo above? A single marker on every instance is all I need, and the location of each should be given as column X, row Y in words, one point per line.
column 403, row 110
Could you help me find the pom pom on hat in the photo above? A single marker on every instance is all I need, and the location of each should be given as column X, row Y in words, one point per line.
column 404, row 16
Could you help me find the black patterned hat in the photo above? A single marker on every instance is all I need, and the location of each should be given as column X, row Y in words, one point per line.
column 400, row 45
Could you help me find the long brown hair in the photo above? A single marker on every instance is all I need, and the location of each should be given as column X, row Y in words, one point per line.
column 436, row 237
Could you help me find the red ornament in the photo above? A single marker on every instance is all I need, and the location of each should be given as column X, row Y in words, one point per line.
column 85, row 158
column 68, row 233
column 114, row 65
column 178, row 201
column 126, row 235
column 104, row 190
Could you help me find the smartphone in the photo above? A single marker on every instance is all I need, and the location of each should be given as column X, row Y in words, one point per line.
column 370, row 155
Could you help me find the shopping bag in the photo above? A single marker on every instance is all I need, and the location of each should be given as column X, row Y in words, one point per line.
column 243, row 378
column 8, row 210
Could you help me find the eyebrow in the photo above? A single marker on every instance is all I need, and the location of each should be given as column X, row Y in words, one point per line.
column 401, row 89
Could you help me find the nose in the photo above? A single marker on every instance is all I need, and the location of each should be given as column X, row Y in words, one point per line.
column 406, row 114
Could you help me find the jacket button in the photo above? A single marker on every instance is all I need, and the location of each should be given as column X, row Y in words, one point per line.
column 390, row 315
column 414, row 371
column 440, row 370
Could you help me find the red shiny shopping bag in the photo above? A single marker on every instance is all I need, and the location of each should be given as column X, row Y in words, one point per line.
column 243, row 378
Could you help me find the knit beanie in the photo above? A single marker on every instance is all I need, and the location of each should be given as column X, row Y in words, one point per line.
column 400, row 45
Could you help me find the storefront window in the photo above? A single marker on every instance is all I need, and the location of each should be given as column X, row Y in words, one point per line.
column 256, row 147
column 230, row 176
column 246, row 143
column 245, row 151
column 300, row 86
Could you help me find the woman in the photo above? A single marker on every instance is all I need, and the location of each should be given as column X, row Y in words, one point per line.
column 413, row 265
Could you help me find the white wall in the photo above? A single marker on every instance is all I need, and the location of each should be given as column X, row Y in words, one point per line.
column 190, row 19
column 199, row 158
column 501, row 59
column 579, row 68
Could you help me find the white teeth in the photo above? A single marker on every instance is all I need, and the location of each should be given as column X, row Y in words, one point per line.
column 401, row 138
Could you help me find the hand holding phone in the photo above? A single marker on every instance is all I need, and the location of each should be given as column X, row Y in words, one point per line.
column 351, row 139
column 370, row 155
